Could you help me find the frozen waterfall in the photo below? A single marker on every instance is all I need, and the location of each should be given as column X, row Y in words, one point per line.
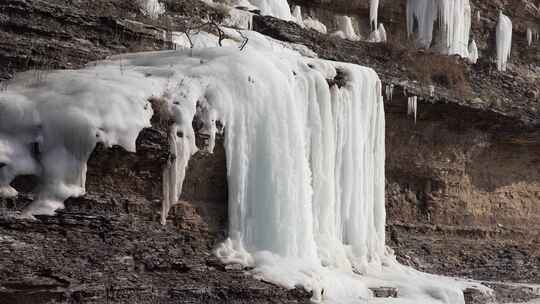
column 305, row 160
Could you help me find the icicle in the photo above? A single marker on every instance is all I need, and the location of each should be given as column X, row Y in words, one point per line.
column 504, row 41
column 431, row 91
column 473, row 52
column 529, row 36
column 478, row 17
column 378, row 35
column 389, row 90
column 412, row 106
column 277, row 8
column 373, row 13
column 382, row 33
column 297, row 15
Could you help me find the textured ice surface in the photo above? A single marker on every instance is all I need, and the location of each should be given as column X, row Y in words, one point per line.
column 346, row 29
column 50, row 123
column 305, row 161
column 452, row 19
column 504, row 41
column 473, row 52
column 151, row 8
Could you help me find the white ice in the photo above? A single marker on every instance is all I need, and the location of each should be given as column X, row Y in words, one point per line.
column 308, row 22
column 305, row 161
column 151, row 8
column 346, row 29
column 453, row 23
column 277, row 8
column 50, row 124
column 473, row 52
column 373, row 13
column 412, row 107
column 504, row 41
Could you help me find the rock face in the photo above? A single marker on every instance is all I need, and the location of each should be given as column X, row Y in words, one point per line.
column 463, row 183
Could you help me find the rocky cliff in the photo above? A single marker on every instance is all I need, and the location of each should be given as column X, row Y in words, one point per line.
column 463, row 182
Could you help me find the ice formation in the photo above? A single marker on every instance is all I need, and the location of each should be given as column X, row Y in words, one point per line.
column 412, row 106
column 309, row 22
column 373, row 13
column 151, row 8
column 431, row 91
column 389, row 91
column 297, row 15
column 277, row 8
column 378, row 35
column 478, row 16
column 473, row 52
column 49, row 127
column 315, row 24
column 305, row 161
column 454, row 23
column 504, row 41
column 529, row 36
column 346, row 29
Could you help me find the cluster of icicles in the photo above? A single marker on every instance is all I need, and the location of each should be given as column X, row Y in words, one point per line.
column 453, row 21
column 450, row 19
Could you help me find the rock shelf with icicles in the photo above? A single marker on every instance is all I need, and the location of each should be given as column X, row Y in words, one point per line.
column 305, row 161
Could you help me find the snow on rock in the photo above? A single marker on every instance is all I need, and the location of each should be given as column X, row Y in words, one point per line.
column 473, row 52
column 454, row 24
column 504, row 41
column 151, row 8
column 346, row 29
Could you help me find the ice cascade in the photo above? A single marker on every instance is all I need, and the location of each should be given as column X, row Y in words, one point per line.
column 305, row 160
